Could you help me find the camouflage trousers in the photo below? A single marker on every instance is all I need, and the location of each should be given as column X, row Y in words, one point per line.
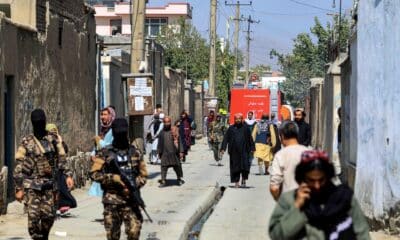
column 115, row 214
column 40, row 206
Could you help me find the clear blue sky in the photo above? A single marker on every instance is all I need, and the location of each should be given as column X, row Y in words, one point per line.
column 280, row 21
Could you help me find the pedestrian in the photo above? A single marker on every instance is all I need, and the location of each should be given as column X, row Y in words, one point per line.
column 171, row 152
column 38, row 158
column 185, row 133
column 251, row 122
column 278, row 144
column 156, row 126
column 65, row 199
column 120, row 158
column 105, row 138
column 265, row 140
column 286, row 160
column 317, row 209
column 240, row 145
column 217, row 132
column 210, row 119
column 304, row 128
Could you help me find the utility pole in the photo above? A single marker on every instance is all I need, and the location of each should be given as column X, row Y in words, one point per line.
column 213, row 43
column 137, row 33
column 228, row 28
column 249, row 22
column 236, row 38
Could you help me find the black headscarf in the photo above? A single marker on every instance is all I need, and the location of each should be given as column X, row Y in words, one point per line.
column 38, row 118
column 120, row 133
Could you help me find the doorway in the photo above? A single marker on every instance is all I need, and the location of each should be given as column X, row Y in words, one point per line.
column 9, row 133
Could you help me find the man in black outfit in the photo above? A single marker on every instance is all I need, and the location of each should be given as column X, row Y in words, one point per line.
column 304, row 128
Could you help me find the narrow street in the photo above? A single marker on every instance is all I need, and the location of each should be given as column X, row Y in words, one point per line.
column 173, row 208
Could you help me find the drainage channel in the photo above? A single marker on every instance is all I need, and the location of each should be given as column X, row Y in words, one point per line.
column 196, row 229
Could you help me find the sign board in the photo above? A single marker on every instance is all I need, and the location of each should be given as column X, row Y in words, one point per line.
column 140, row 96
column 245, row 100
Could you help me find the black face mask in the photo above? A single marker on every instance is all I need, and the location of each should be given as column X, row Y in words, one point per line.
column 38, row 118
column 120, row 133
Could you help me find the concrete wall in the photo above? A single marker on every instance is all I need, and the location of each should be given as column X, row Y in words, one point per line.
column 112, row 68
column 377, row 183
column 349, row 112
column 316, row 111
column 174, row 92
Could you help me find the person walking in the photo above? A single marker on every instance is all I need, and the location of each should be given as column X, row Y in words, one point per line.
column 170, row 151
column 304, row 128
column 39, row 156
column 105, row 138
column 120, row 158
column 286, row 160
column 217, row 132
column 251, row 122
column 240, row 145
column 265, row 140
column 156, row 126
column 185, row 133
column 318, row 209
column 210, row 119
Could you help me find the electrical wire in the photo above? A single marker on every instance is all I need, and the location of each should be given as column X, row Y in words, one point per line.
column 311, row 6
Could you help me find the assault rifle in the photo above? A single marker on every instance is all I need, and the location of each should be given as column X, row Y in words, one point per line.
column 130, row 183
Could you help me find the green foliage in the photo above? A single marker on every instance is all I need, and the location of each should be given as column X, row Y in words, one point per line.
column 260, row 69
column 185, row 49
column 308, row 58
column 224, row 75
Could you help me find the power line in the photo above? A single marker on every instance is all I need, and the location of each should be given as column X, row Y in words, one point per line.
column 311, row 6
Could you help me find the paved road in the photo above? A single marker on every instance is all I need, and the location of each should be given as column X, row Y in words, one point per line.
column 172, row 208
column 240, row 214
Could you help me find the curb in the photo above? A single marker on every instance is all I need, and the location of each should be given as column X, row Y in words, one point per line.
column 200, row 211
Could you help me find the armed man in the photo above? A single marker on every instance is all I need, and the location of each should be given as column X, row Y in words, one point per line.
column 217, row 132
column 121, row 172
column 38, row 160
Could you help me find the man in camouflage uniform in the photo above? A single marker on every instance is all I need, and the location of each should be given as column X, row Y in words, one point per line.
column 118, row 207
column 217, row 131
column 36, row 161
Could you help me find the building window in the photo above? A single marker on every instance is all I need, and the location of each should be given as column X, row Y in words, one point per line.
column 116, row 26
column 155, row 26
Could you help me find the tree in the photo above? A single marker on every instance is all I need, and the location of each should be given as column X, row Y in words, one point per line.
column 309, row 57
column 185, row 49
column 260, row 69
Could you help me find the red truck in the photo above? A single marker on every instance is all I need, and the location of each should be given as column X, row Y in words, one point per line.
column 258, row 101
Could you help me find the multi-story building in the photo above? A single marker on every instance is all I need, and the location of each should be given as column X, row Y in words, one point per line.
column 114, row 17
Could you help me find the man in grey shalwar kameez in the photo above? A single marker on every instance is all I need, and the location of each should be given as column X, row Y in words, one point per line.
column 170, row 150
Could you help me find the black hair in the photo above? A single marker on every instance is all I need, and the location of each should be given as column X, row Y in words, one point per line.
column 158, row 105
column 303, row 113
column 250, row 112
column 289, row 130
column 322, row 165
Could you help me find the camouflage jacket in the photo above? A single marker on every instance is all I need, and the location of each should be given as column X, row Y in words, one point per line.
column 217, row 131
column 36, row 159
column 110, row 181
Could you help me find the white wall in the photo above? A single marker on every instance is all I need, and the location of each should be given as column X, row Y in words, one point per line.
column 103, row 26
column 378, row 155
